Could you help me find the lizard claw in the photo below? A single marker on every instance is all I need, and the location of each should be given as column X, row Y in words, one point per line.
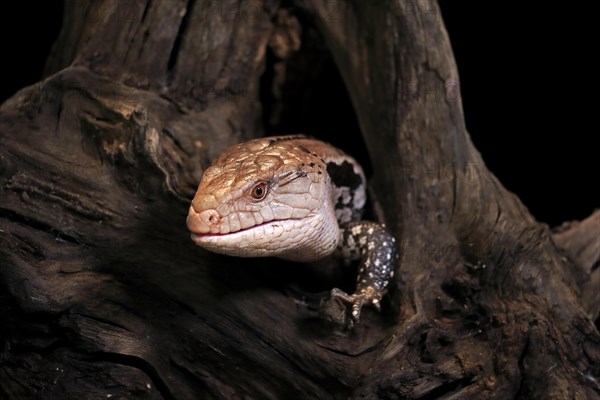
column 366, row 296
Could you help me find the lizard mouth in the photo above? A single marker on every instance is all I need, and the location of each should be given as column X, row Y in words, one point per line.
column 274, row 224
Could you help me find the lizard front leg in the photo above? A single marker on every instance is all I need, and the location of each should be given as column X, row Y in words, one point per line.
column 374, row 246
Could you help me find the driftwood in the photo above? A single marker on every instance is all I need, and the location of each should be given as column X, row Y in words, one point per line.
column 104, row 295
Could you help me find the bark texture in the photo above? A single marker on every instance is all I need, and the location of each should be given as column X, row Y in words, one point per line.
column 102, row 292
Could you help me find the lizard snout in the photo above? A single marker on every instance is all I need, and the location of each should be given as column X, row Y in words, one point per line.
column 207, row 221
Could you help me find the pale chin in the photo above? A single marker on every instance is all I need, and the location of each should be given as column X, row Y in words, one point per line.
column 288, row 239
column 266, row 240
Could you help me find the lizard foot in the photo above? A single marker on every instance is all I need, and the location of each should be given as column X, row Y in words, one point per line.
column 364, row 296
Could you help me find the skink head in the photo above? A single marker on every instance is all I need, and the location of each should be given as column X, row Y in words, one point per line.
column 264, row 198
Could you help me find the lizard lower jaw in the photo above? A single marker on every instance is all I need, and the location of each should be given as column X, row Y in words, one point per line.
column 293, row 239
column 271, row 229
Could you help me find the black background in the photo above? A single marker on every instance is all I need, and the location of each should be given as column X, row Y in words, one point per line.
column 527, row 86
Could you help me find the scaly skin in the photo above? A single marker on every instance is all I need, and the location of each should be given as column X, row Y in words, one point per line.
column 294, row 198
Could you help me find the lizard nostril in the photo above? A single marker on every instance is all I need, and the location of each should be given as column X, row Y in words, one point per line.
column 210, row 217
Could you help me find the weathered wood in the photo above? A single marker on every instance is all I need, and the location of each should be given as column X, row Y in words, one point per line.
column 580, row 241
column 104, row 294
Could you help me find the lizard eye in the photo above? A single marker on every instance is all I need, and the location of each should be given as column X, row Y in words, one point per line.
column 259, row 191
